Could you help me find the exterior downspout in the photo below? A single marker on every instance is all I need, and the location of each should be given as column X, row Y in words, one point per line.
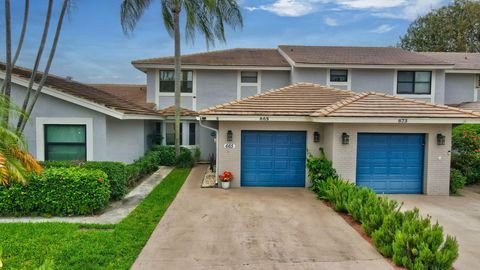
column 216, row 146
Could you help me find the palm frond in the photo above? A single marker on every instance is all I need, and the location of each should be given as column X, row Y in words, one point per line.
column 130, row 13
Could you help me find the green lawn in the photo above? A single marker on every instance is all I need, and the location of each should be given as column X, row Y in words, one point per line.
column 77, row 246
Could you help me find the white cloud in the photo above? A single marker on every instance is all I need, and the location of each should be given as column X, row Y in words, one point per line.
column 384, row 28
column 330, row 21
column 397, row 9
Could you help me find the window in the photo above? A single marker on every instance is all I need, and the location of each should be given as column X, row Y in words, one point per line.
column 477, row 81
column 249, row 77
column 414, row 82
column 65, row 142
column 338, row 75
column 191, row 134
column 167, row 81
column 170, row 133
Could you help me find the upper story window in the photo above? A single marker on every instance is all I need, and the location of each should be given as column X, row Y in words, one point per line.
column 338, row 75
column 249, row 77
column 65, row 142
column 167, row 81
column 477, row 81
column 414, row 82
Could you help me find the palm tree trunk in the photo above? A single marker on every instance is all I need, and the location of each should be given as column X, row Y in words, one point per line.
column 20, row 41
column 47, row 67
column 37, row 62
column 8, row 62
column 178, row 75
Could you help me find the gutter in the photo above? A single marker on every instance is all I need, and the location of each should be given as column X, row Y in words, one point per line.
column 216, row 144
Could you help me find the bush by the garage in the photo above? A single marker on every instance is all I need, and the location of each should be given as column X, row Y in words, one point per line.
column 319, row 168
column 466, row 151
column 457, row 181
column 411, row 240
column 57, row 192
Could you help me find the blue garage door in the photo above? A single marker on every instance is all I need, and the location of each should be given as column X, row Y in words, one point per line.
column 391, row 163
column 273, row 158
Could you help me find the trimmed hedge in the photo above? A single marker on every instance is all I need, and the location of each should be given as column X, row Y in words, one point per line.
column 57, row 192
column 411, row 240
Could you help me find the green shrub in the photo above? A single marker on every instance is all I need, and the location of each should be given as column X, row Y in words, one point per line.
column 58, row 192
column 457, row 181
column 466, row 151
column 407, row 237
column 319, row 168
column 419, row 245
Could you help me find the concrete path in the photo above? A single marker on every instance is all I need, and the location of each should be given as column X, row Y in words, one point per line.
column 459, row 216
column 253, row 228
column 115, row 212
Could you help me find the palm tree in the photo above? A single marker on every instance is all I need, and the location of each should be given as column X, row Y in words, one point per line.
column 15, row 161
column 205, row 16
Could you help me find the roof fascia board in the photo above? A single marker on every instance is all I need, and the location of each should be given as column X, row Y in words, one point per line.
column 469, row 71
column 401, row 67
column 142, row 117
column 396, row 120
column 285, row 55
column 156, row 66
column 67, row 97
column 256, row 118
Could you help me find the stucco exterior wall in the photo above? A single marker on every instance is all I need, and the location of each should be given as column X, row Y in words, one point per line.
column 439, row 96
column 151, row 85
column 51, row 107
column 230, row 159
column 274, row 79
column 311, row 75
column 126, row 139
column 459, row 88
column 215, row 87
column 437, row 157
column 377, row 80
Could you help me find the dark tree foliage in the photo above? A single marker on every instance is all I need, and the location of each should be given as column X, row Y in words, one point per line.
column 452, row 28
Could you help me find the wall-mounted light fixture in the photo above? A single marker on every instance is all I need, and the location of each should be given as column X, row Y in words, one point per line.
column 345, row 138
column 316, row 136
column 229, row 136
column 440, row 139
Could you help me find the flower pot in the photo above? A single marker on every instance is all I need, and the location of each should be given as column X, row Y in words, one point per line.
column 226, row 185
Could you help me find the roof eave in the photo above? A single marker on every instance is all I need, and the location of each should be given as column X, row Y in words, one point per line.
column 397, row 120
column 145, row 66
column 375, row 66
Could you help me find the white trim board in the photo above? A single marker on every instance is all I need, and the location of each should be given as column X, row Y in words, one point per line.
column 430, row 96
column 258, row 84
column 40, row 122
column 348, row 83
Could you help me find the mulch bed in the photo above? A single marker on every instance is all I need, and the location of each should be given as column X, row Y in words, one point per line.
column 358, row 227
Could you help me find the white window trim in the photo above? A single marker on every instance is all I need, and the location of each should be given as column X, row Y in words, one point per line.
column 185, row 133
column 430, row 96
column 258, row 84
column 40, row 123
column 348, row 83
column 170, row 94
column 476, row 86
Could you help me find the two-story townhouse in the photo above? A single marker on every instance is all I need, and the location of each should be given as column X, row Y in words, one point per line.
column 261, row 110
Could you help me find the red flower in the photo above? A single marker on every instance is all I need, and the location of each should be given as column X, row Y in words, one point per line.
column 226, row 177
column 100, row 180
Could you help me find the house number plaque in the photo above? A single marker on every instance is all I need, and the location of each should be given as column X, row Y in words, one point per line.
column 229, row 146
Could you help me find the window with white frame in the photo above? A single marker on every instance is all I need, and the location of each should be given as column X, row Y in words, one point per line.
column 477, row 81
column 249, row 77
column 170, row 133
column 249, row 83
column 167, row 81
column 338, row 75
column 414, row 82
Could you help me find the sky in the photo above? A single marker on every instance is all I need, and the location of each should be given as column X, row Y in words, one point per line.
column 93, row 48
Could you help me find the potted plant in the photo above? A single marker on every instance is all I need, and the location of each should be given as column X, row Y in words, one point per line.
column 225, row 178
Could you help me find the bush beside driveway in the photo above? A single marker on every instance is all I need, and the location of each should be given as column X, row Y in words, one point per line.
column 458, row 215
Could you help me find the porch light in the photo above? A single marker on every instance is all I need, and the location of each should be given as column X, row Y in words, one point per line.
column 316, row 136
column 345, row 138
column 440, row 139
column 229, row 136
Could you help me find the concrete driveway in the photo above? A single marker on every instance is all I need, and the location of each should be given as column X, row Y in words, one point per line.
column 459, row 216
column 254, row 228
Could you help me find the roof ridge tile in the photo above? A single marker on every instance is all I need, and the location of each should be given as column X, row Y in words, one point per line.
column 339, row 104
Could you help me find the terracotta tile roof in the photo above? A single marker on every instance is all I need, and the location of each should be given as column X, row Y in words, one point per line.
column 472, row 106
column 357, row 55
column 307, row 99
column 300, row 99
column 460, row 59
column 231, row 57
column 373, row 104
column 170, row 111
column 85, row 91
column 136, row 93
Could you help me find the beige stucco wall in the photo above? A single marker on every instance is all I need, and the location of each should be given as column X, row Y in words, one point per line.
column 437, row 157
column 230, row 159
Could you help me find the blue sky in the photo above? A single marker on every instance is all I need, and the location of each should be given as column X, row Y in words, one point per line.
column 93, row 47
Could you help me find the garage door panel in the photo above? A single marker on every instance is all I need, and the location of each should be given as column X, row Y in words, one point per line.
column 390, row 163
column 280, row 161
